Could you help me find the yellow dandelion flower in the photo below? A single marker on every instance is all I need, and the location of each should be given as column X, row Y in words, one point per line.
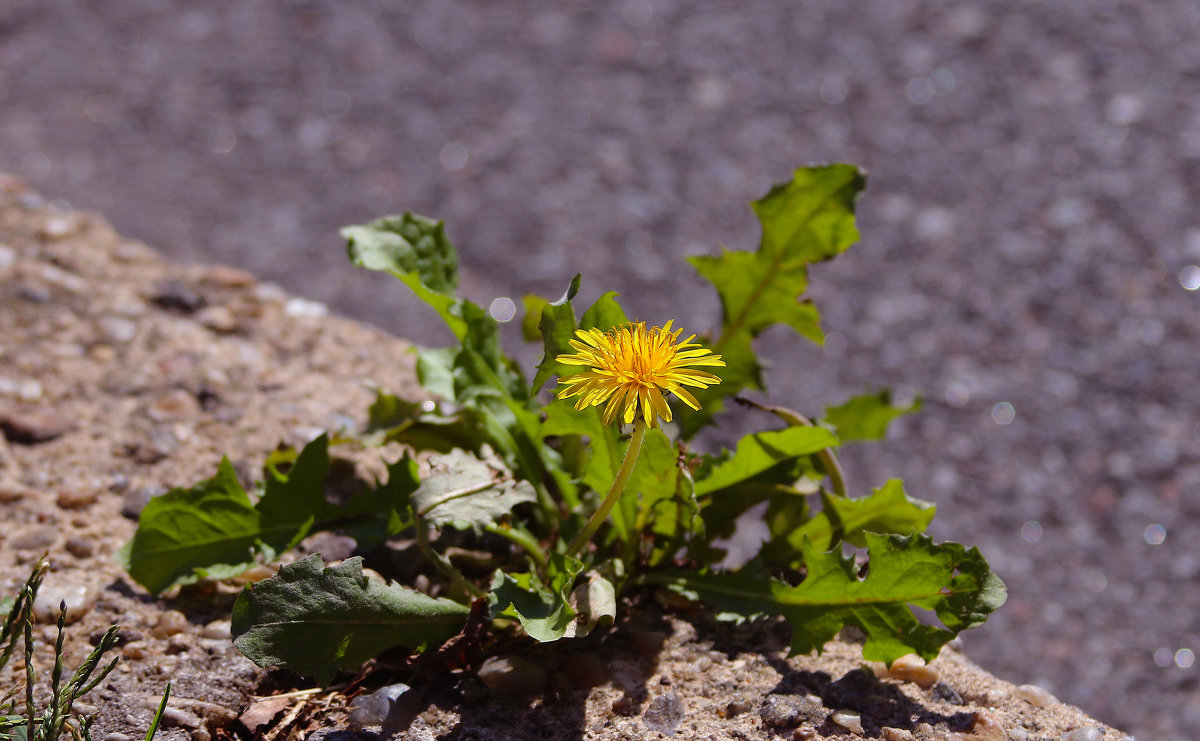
column 630, row 366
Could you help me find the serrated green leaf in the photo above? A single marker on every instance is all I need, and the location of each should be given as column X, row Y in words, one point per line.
column 803, row 221
column 760, row 290
column 544, row 610
column 212, row 530
column 954, row 582
column 208, row 529
column 888, row 511
column 761, row 451
column 316, row 620
column 415, row 249
column 598, row 470
column 604, row 314
column 464, row 491
column 866, row 417
column 299, row 495
column 811, row 218
column 435, row 371
column 556, row 326
column 405, row 244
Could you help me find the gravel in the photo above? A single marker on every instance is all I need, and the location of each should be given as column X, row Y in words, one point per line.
column 1029, row 260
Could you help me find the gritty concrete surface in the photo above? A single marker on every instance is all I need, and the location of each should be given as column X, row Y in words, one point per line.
column 1029, row 230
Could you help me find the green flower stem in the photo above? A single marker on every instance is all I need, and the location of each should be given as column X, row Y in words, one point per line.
column 578, row 543
column 522, row 538
column 837, row 479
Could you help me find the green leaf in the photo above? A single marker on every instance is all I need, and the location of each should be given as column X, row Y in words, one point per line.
column 887, row 511
column 557, row 327
column 954, row 582
column 761, row 451
column 812, row 217
column 604, row 314
column 464, row 491
column 544, row 610
column 659, row 502
column 533, row 316
column 414, row 249
column 806, row 220
column 607, row 448
column 211, row 529
column 316, row 620
column 866, row 417
column 299, row 495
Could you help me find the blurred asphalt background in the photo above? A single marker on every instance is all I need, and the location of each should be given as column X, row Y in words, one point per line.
column 1028, row 264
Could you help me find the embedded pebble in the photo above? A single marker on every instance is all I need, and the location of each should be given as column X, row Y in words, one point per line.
column 804, row 733
column 664, row 714
column 1035, row 695
column 912, row 668
column 174, row 406
column 175, row 716
column 737, row 706
column 217, row 629
column 116, row 330
column 512, row 675
column 175, row 296
column 1082, row 734
column 80, row 547
column 373, row 709
column 897, row 734
column 297, row 306
column 57, row 227
column 77, row 498
column 218, row 318
column 11, row 491
column 38, row 538
column 135, row 500
column 786, row 711
column 848, row 719
column 169, row 623
column 78, row 597
column 226, row 276
column 213, row 714
column 32, row 425
column 987, row 727
column 26, row 389
column 1018, row 734
column 946, row 693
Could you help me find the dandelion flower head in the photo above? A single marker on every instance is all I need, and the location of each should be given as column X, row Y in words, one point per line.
column 631, row 367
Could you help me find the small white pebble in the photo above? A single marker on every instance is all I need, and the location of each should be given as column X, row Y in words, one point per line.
column 1018, row 734
column 1035, row 695
column 78, row 597
column 303, row 307
column 912, row 668
column 848, row 719
column 1082, row 734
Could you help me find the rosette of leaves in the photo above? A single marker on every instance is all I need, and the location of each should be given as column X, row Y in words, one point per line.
column 510, row 475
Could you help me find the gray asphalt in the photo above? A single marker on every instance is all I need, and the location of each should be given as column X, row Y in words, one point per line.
column 1030, row 231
